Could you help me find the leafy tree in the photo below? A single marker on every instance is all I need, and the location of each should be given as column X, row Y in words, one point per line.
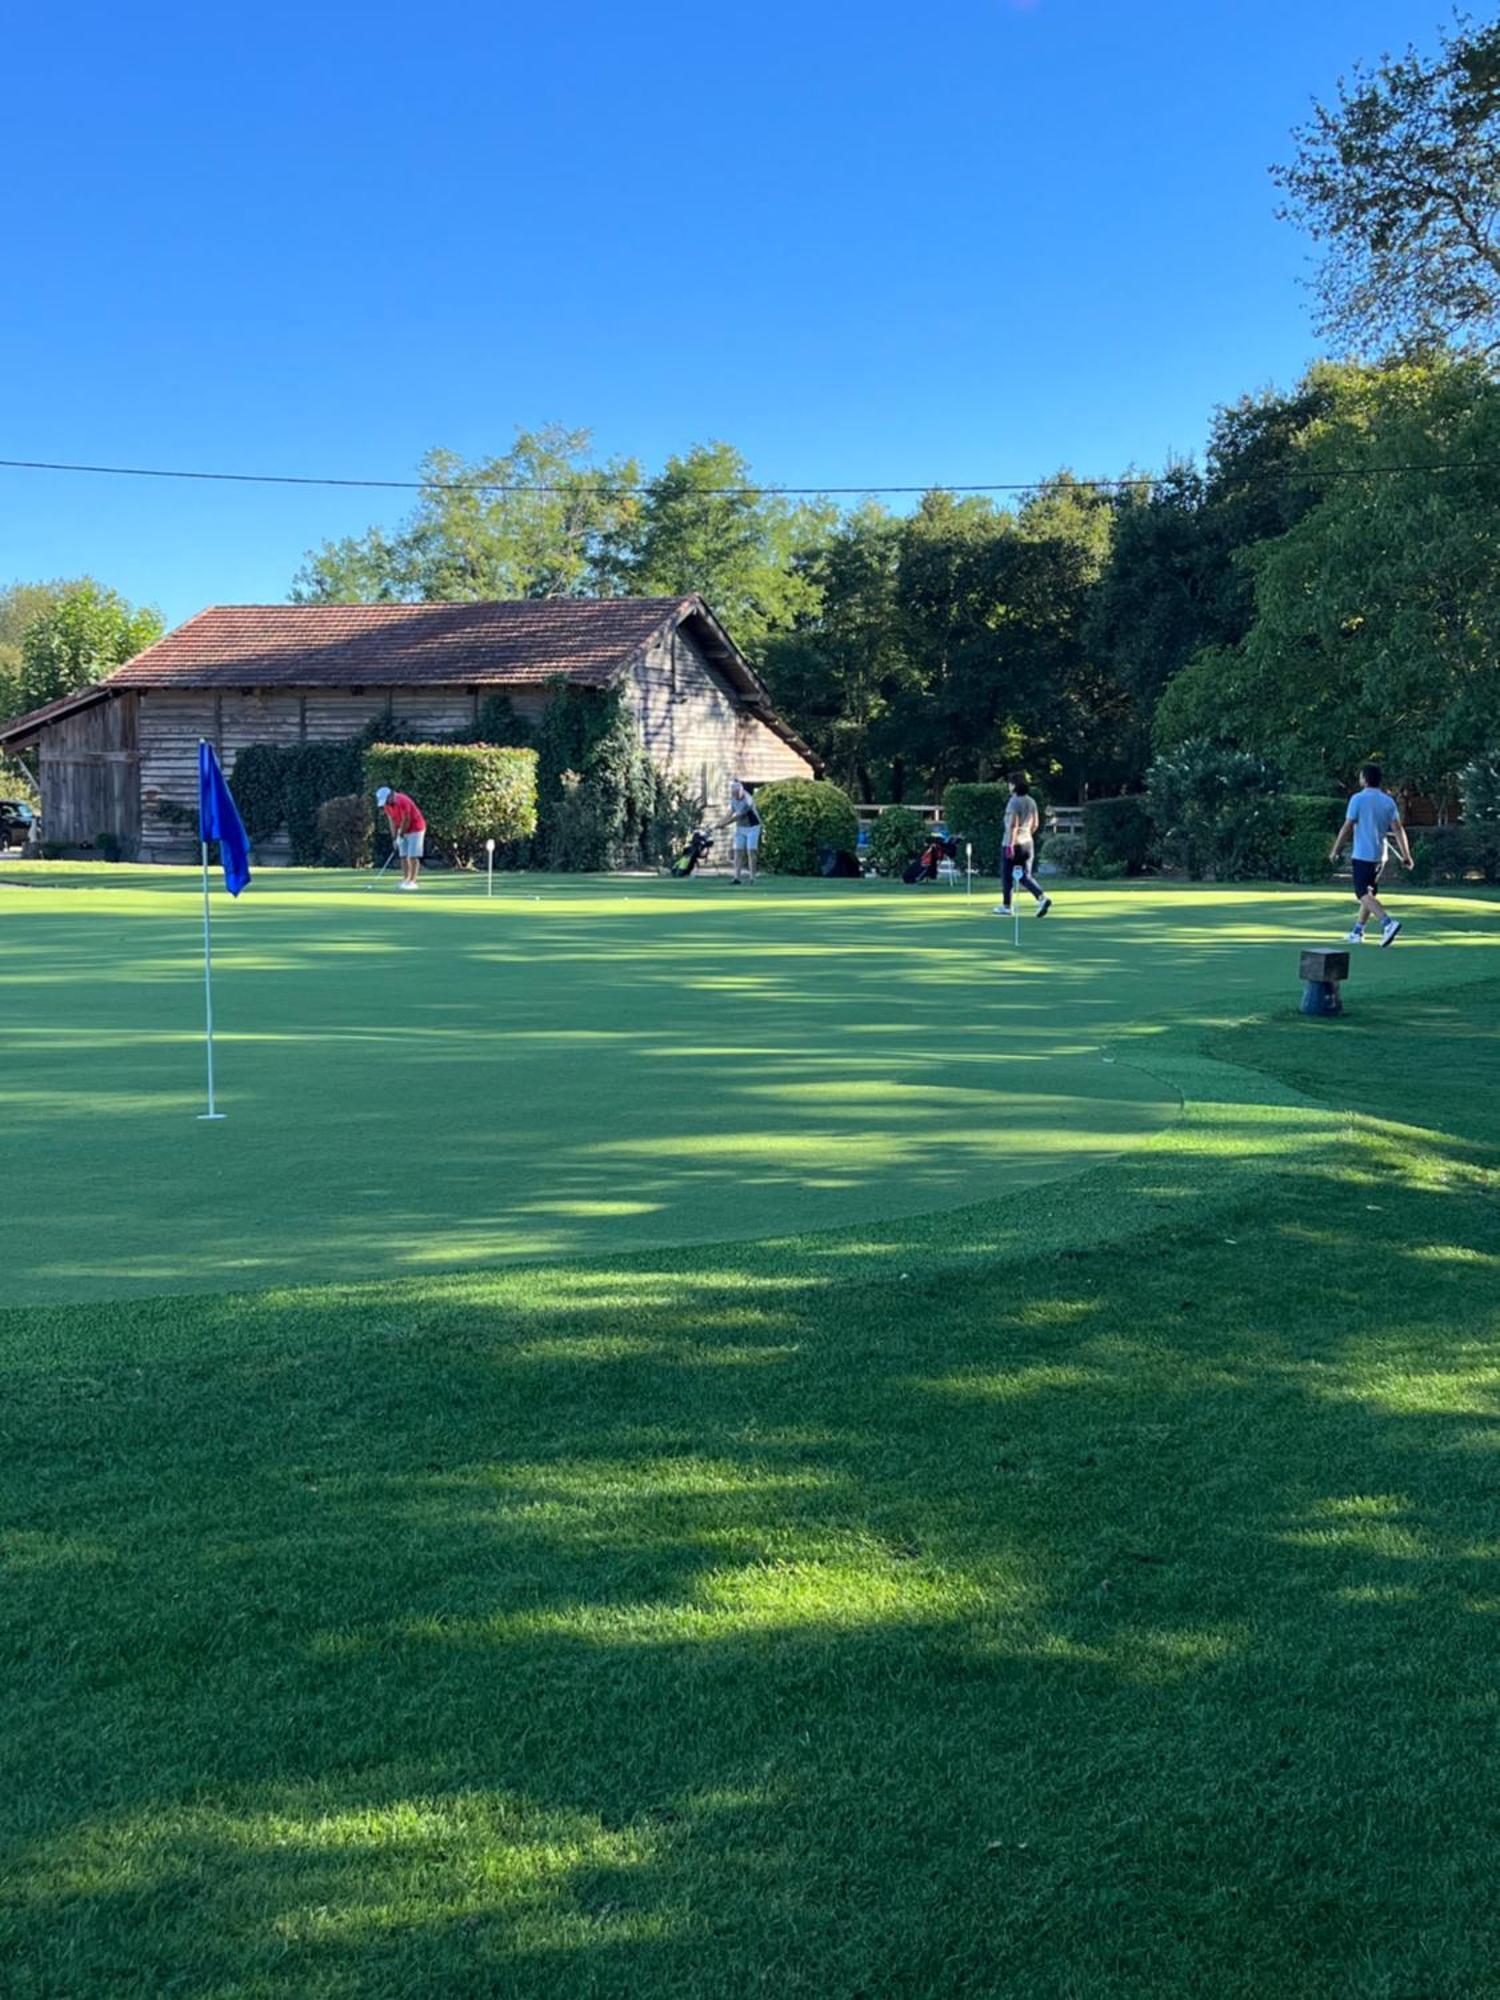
column 702, row 527
column 80, row 637
column 1377, row 615
column 564, row 535
column 1399, row 179
column 842, row 670
column 21, row 605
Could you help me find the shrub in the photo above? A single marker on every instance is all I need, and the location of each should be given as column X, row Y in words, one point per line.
column 1308, row 825
column 976, row 813
column 800, row 815
column 110, row 846
column 346, row 830
column 1479, row 787
column 898, row 836
column 1216, row 811
column 1118, row 834
column 1064, row 852
column 1443, row 854
column 601, row 802
column 467, row 792
column 276, row 785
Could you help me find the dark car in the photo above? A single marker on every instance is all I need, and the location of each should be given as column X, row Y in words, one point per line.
column 17, row 823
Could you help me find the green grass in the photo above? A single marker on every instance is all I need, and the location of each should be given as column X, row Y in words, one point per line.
column 1061, row 1558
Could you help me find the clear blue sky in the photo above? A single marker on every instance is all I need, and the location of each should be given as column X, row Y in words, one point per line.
column 967, row 241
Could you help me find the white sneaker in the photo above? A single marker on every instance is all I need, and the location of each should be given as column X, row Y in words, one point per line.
column 408, row 885
column 1356, row 936
column 1001, row 910
column 1389, row 930
column 1044, row 906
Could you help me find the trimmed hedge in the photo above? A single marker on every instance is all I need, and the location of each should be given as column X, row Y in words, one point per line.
column 1118, row 834
column 467, row 792
column 977, row 813
column 897, row 837
column 800, row 815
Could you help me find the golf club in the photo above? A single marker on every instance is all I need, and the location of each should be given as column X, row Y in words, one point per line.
column 382, row 868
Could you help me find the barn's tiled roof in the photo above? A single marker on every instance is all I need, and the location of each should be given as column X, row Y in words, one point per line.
column 386, row 645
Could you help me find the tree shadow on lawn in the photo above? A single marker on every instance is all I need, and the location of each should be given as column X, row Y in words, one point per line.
column 1119, row 1622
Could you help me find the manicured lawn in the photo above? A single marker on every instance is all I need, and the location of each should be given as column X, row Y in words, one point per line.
column 793, row 1448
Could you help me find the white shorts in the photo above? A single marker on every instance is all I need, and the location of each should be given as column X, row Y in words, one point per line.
column 409, row 845
column 747, row 837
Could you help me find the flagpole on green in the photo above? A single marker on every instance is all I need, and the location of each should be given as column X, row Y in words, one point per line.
column 213, row 1111
column 208, row 996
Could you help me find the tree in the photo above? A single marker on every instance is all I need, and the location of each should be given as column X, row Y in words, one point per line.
column 842, row 670
column 702, row 526
column 80, row 637
column 1400, row 181
column 561, row 530
column 20, row 605
column 1377, row 614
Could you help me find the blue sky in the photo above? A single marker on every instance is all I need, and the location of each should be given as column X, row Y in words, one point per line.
column 880, row 244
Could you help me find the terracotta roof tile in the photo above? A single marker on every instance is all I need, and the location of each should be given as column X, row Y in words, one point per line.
column 381, row 645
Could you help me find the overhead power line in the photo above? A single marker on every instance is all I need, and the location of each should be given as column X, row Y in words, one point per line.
column 621, row 488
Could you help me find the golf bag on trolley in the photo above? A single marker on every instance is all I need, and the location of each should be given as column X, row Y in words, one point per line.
column 691, row 855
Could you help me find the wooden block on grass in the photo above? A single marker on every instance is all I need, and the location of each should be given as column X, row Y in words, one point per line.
column 1328, row 967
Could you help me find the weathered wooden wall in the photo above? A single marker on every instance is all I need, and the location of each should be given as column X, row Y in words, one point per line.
column 88, row 773
column 171, row 722
column 692, row 727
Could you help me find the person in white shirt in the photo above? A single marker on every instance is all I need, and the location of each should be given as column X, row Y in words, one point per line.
column 746, row 823
column 1019, row 850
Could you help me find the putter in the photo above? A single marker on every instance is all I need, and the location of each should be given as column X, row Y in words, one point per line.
column 382, row 868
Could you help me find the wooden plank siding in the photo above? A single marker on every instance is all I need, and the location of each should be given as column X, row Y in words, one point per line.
column 692, row 727
column 172, row 722
column 88, row 773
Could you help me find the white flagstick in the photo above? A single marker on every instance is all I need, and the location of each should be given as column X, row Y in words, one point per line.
column 208, row 997
column 968, row 867
column 489, row 848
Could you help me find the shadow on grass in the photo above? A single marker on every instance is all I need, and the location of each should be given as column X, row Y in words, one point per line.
column 1120, row 1620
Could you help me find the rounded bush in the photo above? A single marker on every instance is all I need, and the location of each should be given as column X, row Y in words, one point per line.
column 898, row 836
column 1064, row 852
column 799, row 816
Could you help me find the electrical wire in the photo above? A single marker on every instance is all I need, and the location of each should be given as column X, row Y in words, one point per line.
column 618, row 489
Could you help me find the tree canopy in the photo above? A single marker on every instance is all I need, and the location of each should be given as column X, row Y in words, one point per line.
column 78, row 635
column 1399, row 181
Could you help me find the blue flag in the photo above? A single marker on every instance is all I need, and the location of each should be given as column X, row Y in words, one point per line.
column 219, row 819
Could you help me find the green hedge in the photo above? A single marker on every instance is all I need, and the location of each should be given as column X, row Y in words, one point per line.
column 1307, row 832
column 468, row 793
column 1479, row 786
column 977, row 813
column 276, row 785
column 799, row 816
column 1118, row 834
column 896, row 838
column 1217, row 812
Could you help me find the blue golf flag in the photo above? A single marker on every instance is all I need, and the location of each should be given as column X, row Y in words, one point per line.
column 219, row 819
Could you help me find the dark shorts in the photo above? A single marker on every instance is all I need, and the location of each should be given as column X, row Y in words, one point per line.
column 1366, row 876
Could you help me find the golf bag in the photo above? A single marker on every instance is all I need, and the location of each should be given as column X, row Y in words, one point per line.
column 925, row 866
column 691, row 855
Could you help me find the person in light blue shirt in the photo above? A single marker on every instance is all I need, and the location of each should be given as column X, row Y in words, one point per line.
column 1373, row 818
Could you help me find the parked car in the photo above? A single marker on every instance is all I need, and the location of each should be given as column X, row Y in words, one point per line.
column 17, row 823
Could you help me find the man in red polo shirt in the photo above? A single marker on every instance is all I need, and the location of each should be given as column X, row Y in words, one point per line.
column 408, row 831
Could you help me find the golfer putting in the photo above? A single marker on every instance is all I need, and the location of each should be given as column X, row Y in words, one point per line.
column 408, row 831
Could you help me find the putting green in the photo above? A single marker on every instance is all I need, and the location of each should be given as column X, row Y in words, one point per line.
column 433, row 1082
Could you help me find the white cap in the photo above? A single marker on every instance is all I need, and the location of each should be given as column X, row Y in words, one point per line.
column 382, row 795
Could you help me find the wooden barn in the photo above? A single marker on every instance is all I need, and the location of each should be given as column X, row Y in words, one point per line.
column 109, row 758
